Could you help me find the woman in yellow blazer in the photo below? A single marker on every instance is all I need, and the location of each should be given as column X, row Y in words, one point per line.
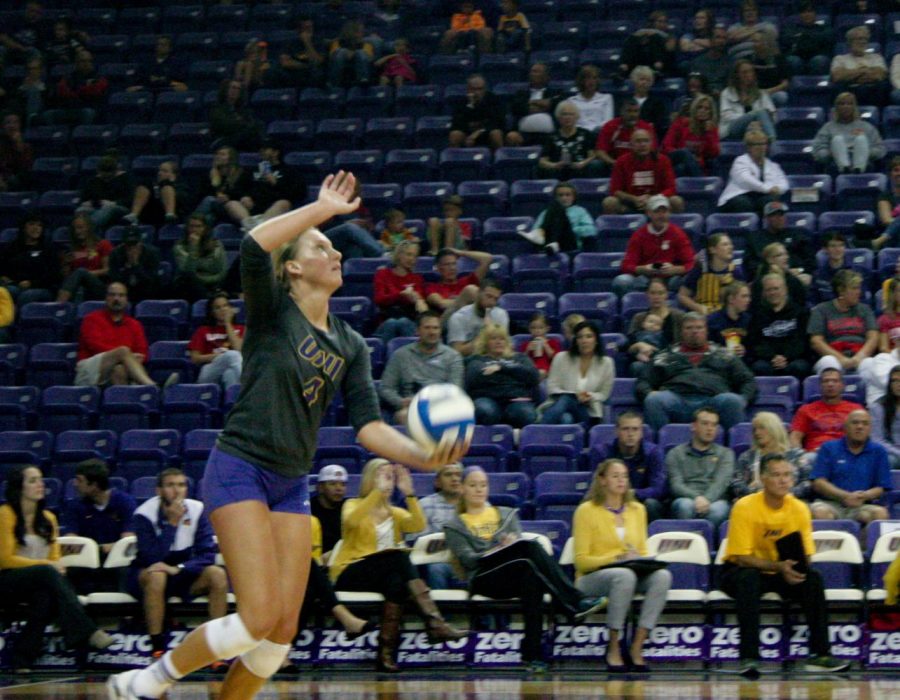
column 372, row 556
column 31, row 572
column 610, row 526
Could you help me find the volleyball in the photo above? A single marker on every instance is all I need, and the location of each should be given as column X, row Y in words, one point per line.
column 438, row 409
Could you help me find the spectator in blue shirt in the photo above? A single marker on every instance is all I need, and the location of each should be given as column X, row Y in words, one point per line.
column 851, row 474
column 646, row 470
column 175, row 555
column 440, row 508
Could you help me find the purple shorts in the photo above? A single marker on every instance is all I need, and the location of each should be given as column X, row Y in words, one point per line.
column 230, row 479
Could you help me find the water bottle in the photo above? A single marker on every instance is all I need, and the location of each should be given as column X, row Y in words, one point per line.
column 566, row 156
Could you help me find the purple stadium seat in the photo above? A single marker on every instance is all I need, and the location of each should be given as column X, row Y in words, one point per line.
column 405, row 165
column 25, row 447
column 508, row 489
column 810, row 91
column 735, row 225
column 596, row 306
column 521, row 307
column 48, row 140
column 447, row 70
column 859, row 191
column 185, row 106
column 291, row 135
column 854, row 389
column 147, row 452
column 369, row 102
column 550, row 448
column 381, row 197
column 591, row 191
column 416, row 101
column 198, row 443
column 517, row 163
column 530, row 197
column 798, row 123
column 432, row 131
column 12, row 363
column 18, row 406
column 539, row 272
column 341, row 133
column 569, row 35
column 270, row 104
column 700, row 194
column 594, row 272
column 188, row 406
column 14, row 206
column 423, row 199
column 484, row 198
column 310, row 166
column 557, row 531
column 68, row 408
column 501, row 235
column 795, row 157
column 492, row 448
column 560, row 63
column 323, row 104
column 674, row 434
column 702, row 527
column 45, row 322
column 503, row 67
column 338, row 445
column 357, row 311
column 386, row 133
column 364, row 164
column 51, row 363
column 558, row 493
column 128, row 407
column 57, row 173
column 458, row 164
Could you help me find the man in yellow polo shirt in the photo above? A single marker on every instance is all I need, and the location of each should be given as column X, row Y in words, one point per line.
column 753, row 566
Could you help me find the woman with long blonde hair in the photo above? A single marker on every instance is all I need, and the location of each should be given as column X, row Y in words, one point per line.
column 770, row 437
column 692, row 142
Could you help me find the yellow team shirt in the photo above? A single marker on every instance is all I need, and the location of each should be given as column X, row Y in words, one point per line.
column 754, row 527
column 484, row 525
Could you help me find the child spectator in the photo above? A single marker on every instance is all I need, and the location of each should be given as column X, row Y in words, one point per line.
column 466, row 27
column 395, row 229
column 513, row 30
column 399, row 67
column 563, row 226
column 451, row 232
column 539, row 348
column 650, row 333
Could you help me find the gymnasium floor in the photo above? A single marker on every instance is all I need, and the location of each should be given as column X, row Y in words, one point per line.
column 497, row 685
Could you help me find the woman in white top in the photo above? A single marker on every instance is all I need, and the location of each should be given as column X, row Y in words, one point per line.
column 753, row 180
column 743, row 103
column 580, row 380
column 594, row 108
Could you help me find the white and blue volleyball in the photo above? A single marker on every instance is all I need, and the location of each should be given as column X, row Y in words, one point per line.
column 438, row 409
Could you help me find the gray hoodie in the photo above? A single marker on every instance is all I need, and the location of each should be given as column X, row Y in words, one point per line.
column 468, row 548
column 832, row 128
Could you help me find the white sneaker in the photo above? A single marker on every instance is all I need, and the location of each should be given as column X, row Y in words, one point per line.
column 118, row 686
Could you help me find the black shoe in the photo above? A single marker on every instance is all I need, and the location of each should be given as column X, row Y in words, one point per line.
column 749, row 669
column 370, row 626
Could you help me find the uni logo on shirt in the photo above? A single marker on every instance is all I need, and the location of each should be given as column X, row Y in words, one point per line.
column 329, row 363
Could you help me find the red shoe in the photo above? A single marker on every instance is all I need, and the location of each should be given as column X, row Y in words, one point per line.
column 219, row 667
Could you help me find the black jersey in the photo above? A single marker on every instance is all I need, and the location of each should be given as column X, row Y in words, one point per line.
column 291, row 373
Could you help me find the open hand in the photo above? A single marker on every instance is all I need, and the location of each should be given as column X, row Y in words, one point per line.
column 337, row 191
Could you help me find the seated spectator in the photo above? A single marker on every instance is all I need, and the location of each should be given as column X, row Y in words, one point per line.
column 254, row 70
column 885, row 421
column 164, row 200
column 301, row 63
column 200, row 262
column 216, row 345
column 714, row 63
column 770, row 437
column 23, row 33
column 227, row 183
column 7, row 315
column 658, row 249
column 513, row 29
column 729, row 325
column 843, row 331
column 594, row 108
column 102, row 513
column 806, row 44
column 230, row 120
column 398, row 68
column 534, row 107
column 822, row 420
column 695, row 374
column 464, row 325
column 65, row 43
column 275, row 188
column 164, row 71
column 860, row 72
column 175, row 555
column 654, row 109
column 692, row 142
column 487, row 542
column 106, row 197
column 327, row 504
column 609, row 528
column 467, row 28
column 366, row 561
column 31, row 573
column 112, row 346
column 699, row 38
column 502, row 383
column 80, row 95
column 644, row 343
column 796, row 241
column 569, row 151
column 753, row 566
column 847, row 143
column 754, row 179
column 646, row 471
column 580, row 380
column 481, row 121
column 16, row 156
column 851, row 474
column 399, row 293
column 715, row 268
column 614, row 138
column 740, row 34
column 772, row 70
column 453, row 291
column 874, row 370
column 440, row 508
column 85, row 263
column 639, row 175
column 775, row 258
column 652, row 46
column 888, row 209
column 700, row 472
column 697, row 85
column 136, row 264
column 564, row 226
column 32, row 96
column 29, row 267
column 417, row 365
column 539, row 348
column 568, row 328
column 395, row 230
column 743, row 106
column 350, row 56
column 449, row 232
column 890, row 319
column 776, row 339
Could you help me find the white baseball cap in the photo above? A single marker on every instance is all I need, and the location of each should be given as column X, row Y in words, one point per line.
column 657, row 201
column 332, row 472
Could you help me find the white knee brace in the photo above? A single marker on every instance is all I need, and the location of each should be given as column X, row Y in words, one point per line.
column 227, row 636
column 265, row 659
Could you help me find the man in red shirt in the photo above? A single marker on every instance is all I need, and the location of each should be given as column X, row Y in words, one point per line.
column 823, row 420
column 112, row 346
column 638, row 175
column 659, row 248
column 453, row 291
column 614, row 139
